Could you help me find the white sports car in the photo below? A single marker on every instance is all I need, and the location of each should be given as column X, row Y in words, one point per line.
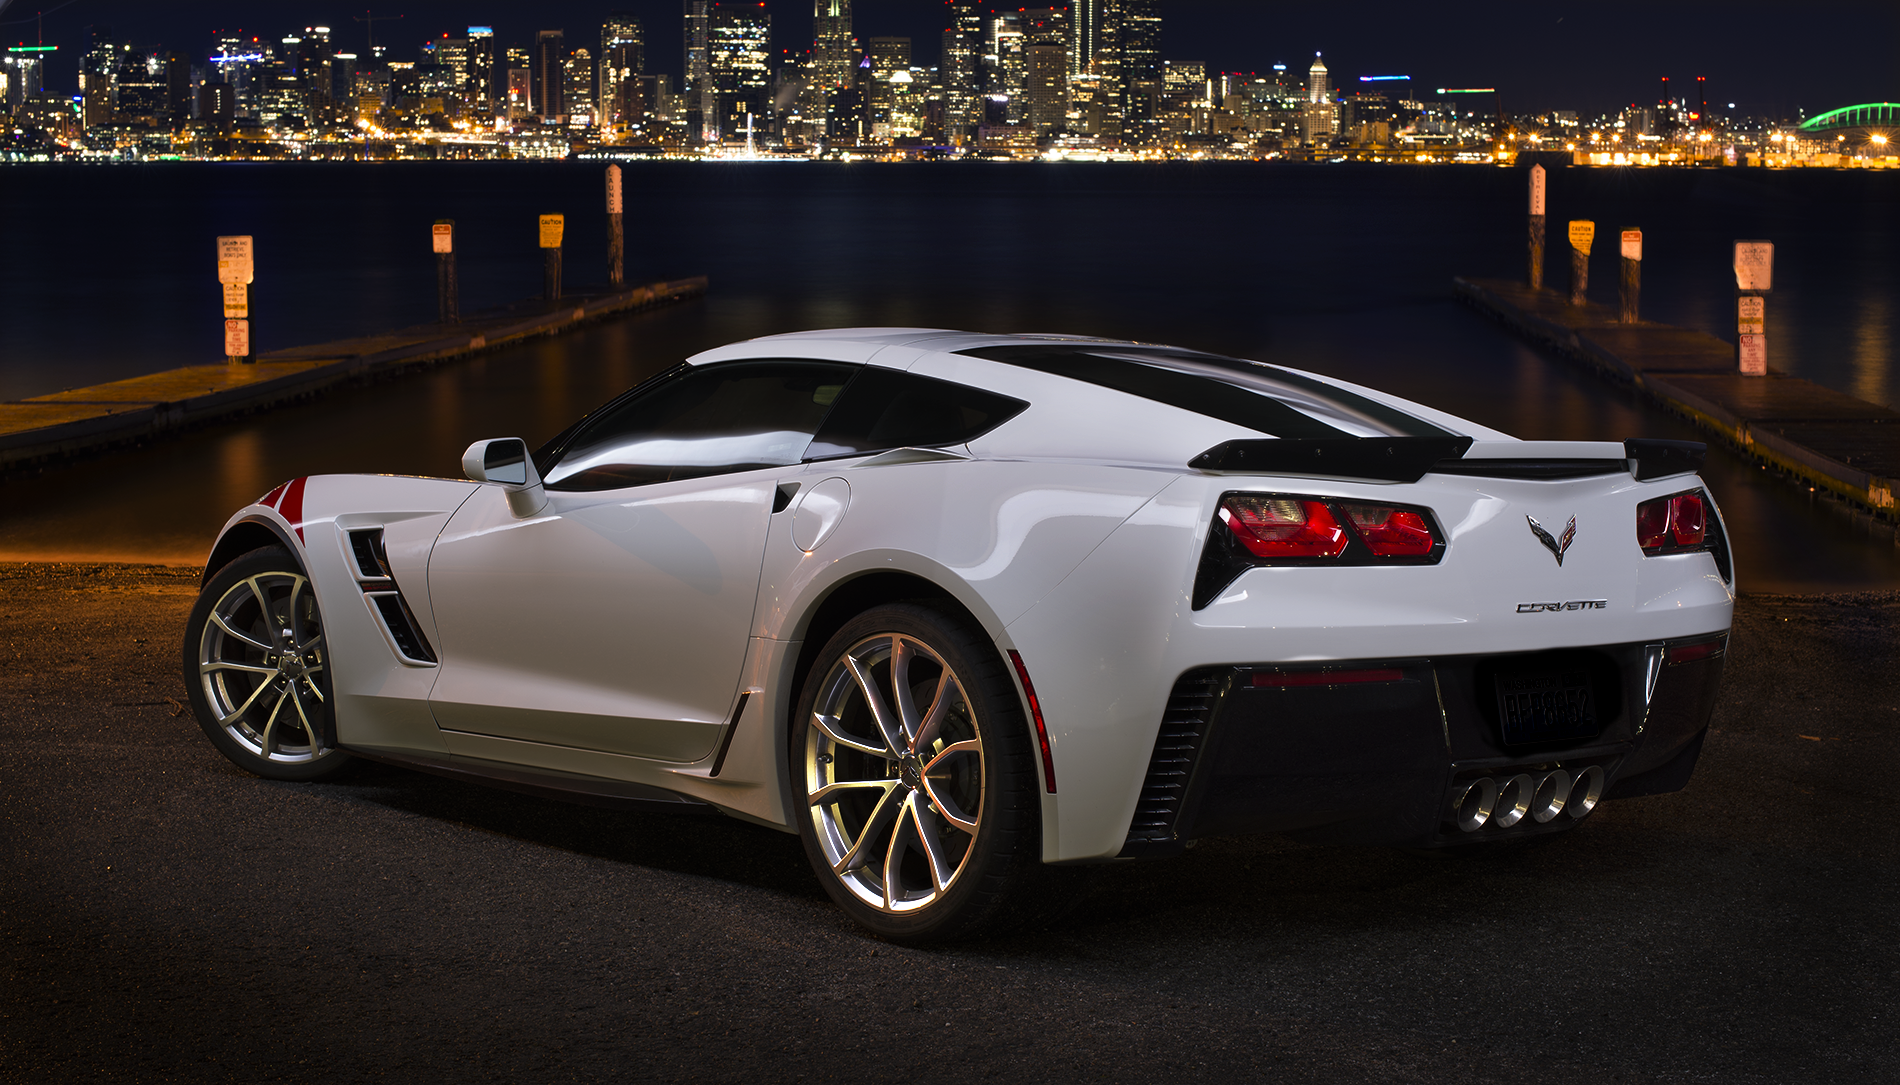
column 959, row 609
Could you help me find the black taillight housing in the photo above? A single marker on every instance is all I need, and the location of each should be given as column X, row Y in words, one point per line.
column 1252, row 530
column 1683, row 523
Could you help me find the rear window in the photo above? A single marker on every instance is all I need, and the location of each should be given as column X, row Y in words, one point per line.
column 1261, row 397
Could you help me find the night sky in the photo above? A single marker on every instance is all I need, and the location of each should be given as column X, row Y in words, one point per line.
column 1767, row 58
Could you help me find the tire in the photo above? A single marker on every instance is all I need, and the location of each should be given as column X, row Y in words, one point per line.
column 921, row 814
column 257, row 669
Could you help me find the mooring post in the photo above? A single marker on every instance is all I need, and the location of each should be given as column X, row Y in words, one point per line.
column 1754, row 277
column 448, row 305
column 236, row 269
column 1582, row 232
column 616, row 238
column 551, row 229
column 1537, row 227
column 1631, row 293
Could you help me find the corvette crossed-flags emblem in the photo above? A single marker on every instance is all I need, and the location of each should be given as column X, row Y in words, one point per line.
column 1555, row 546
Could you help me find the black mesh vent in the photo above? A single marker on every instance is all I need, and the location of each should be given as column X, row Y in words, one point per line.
column 402, row 627
column 367, row 548
column 1177, row 745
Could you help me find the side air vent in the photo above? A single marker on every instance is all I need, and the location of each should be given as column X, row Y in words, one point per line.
column 367, row 548
column 401, row 625
column 384, row 597
column 1177, row 747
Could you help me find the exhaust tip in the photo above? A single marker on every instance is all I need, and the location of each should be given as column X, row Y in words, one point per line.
column 1473, row 805
column 1553, row 791
column 1514, row 800
column 1585, row 791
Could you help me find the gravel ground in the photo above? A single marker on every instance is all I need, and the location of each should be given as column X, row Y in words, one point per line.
column 165, row 917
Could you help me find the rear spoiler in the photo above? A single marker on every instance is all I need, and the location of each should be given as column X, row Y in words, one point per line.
column 1408, row 459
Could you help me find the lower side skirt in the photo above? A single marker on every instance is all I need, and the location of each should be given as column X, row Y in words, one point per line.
column 566, row 787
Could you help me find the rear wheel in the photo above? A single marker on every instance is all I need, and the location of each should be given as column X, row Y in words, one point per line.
column 257, row 668
column 918, row 785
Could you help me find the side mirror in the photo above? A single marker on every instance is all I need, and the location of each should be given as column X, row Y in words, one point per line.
column 505, row 461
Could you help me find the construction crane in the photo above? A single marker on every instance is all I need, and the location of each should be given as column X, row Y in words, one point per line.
column 370, row 20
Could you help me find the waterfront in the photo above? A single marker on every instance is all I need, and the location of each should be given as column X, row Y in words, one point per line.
column 1341, row 269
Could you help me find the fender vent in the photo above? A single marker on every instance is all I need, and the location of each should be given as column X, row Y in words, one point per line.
column 385, row 597
column 1177, row 746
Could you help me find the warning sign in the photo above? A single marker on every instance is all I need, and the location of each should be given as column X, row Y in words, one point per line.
column 1633, row 245
column 551, row 227
column 1754, row 265
column 234, row 259
column 1581, row 234
column 1754, row 354
column 443, row 236
column 237, row 338
column 237, row 301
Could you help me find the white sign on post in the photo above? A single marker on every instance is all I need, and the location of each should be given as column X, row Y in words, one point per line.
column 237, row 338
column 234, row 260
column 442, row 236
column 1633, row 245
column 237, row 301
column 613, row 190
column 1537, row 190
column 1754, row 265
column 1750, row 313
column 1754, row 355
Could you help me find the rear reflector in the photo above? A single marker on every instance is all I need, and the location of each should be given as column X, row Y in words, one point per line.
column 1035, row 714
column 1325, row 678
column 1689, row 653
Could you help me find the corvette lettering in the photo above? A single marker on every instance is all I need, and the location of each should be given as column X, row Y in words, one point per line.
column 1573, row 604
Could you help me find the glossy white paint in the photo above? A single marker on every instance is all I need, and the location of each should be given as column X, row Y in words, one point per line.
column 819, row 510
column 613, row 633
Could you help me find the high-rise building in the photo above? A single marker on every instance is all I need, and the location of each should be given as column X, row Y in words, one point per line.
column 702, row 99
column 834, row 50
column 962, row 52
column 1046, row 86
column 1320, row 119
column 482, row 80
column 1098, row 52
column 314, row 64
column 578, row 92
column 738, row 54
column 1141, row 72
column 550, row 74
column 622, row 58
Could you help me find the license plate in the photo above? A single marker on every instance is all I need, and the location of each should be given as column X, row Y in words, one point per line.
column 1547, row 707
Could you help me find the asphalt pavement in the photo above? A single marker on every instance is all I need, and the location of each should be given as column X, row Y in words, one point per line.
column 165, row 917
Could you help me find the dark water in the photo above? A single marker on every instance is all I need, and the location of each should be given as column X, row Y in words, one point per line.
column 1339, row 269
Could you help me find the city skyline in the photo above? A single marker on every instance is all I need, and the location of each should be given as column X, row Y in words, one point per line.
column 1540, row 56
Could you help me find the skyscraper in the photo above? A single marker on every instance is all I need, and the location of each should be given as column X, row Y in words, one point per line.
column 550, row 73
column 578, row 89
column 482, row 81
column 834, row 50
column 738, row 53
column 1320, row 119
column 1141, row 72
column 1098, row 52
column 702, row 108
column 622, row 58
column 962, row 49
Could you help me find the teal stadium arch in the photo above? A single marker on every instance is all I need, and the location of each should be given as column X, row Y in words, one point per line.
column 1869, row 115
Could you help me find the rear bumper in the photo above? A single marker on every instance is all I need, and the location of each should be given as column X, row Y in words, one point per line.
column 1263, row 748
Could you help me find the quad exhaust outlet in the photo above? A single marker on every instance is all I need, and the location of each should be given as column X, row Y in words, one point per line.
column 1506, row 801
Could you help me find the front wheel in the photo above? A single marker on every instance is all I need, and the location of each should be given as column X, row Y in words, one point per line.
column 914, row 768
column 257, row 668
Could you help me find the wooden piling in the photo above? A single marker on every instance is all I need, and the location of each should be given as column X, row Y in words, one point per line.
column 552, row 227
column 1631, row 290
column 1537, row 228
column 1582, row 233
column 616, row 237
column 447, row 292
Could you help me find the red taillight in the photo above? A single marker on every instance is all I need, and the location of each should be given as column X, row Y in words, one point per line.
column 1690, row 653
column 1677, row 522
column 1688, row 519
column 1390, row 532
column 1283, row 527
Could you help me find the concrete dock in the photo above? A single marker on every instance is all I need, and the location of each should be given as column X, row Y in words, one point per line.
column 1845, row 446
column 44, row 429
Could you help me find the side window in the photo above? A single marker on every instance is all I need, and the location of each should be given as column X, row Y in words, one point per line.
column 731, row 417
column 884, row 408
